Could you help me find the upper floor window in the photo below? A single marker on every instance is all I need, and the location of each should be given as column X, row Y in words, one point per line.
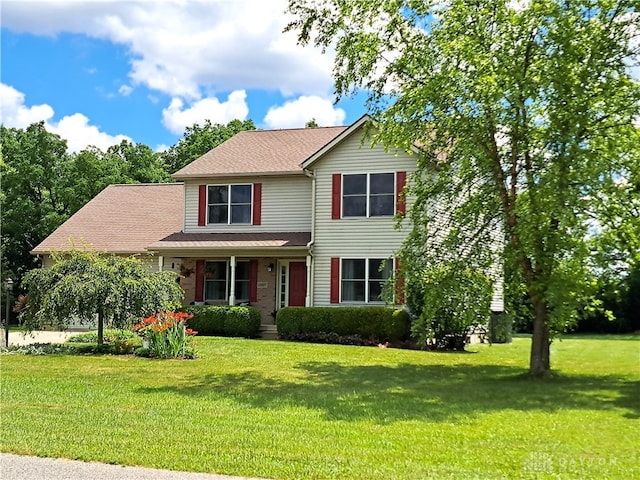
column 362, row 279
column 368, row 195
column 229, row 204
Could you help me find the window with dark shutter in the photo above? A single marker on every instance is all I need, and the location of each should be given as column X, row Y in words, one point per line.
column 229, row 204
column 368, row 195
column 336, row 196
column 362, row 279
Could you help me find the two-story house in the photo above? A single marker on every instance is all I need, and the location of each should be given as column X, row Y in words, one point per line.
column 296, row 217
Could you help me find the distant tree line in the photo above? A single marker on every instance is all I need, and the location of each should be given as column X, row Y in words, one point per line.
column 43, row 184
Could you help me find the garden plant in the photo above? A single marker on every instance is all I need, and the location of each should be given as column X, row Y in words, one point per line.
column 165, row 335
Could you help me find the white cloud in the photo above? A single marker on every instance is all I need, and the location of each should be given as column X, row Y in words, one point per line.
column 78, row 133
column 177, row 117
column 161, row 148
column 296, row 113
column 190, row 48
column 14, row 112
column 75, row 129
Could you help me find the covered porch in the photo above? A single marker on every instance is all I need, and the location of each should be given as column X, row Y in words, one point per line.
column 268, row 271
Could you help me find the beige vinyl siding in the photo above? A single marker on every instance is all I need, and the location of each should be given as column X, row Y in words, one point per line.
column 497, row 301
column 150, row 262
column 286, row 205
column 373, row 237
column 497, row 270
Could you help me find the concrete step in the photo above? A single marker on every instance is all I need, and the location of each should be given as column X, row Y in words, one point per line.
column 269, row 332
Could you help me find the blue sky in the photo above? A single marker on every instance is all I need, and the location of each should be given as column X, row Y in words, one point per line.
column 100, row 72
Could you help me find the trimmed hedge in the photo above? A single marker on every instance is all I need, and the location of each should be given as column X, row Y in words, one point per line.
column 223, row 320
column 374, row 324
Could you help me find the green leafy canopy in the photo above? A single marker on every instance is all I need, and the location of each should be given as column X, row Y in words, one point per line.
column 81, row 285
column 524, row 111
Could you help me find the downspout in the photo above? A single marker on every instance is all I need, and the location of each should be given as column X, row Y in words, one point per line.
column 312, row 176
column 310, row 262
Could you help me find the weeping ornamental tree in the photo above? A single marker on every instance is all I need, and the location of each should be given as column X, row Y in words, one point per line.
column 525, row 112
column 83, row 285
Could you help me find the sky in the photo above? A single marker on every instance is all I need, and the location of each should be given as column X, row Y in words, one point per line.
column 99, row 72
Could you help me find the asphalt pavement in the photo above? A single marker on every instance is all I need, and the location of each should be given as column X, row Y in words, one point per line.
column 20, row 467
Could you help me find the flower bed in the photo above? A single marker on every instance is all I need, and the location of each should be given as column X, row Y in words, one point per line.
column 165, row 335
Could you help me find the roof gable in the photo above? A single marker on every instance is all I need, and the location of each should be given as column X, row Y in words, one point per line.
column 347, row 132
column 121, row 219
column 261, row 152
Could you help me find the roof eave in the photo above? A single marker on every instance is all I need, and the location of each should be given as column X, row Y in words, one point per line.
column 50, row 251
column 197, row 176
column 161, row 249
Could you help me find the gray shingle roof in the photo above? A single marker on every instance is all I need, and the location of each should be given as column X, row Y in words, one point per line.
column 261, row 152
column 121, row 219
column 257, row 240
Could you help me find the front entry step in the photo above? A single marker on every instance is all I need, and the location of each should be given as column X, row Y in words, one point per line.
column 269, row 332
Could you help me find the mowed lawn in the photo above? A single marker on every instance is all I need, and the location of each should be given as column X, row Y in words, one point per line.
column 292, row 411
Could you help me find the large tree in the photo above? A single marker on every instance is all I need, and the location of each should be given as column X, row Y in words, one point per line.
column 524, row 111
column 139, row 163
column 43, row 185
column 31, row 203
column 85, row 285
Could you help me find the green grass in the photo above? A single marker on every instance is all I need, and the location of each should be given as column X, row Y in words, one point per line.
column 292, row 411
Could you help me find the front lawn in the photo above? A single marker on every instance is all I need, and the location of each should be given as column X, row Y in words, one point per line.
column 290, row 410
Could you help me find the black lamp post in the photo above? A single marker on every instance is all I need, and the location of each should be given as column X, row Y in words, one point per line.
column 9, row 286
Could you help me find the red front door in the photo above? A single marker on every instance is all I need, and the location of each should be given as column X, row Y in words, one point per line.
column 297, row 284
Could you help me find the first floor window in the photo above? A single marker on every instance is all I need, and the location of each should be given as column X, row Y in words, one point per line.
column 242, row 281
column 363, row 279
column 217, row 277
column 215, row 281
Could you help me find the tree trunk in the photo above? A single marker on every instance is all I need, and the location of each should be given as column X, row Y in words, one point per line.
column 100, row 327
column 539, row 364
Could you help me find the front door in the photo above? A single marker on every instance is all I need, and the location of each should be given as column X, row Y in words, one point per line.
column 297, row 284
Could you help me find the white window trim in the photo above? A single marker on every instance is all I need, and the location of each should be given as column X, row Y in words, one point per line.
column 368, row 194
column 227, row 287
column 229, row 185
column 367, row 279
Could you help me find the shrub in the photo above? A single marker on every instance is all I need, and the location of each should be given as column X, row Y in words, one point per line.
column 110, row 336
column 372, row 325
column 500, row 328
column 242, row 322
column 142, row 352
column 119, row 348
column 454, row 299
column 124, row 347
column 207, row 319
column 116, row 342
column 39, row 349
column 224, row 320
